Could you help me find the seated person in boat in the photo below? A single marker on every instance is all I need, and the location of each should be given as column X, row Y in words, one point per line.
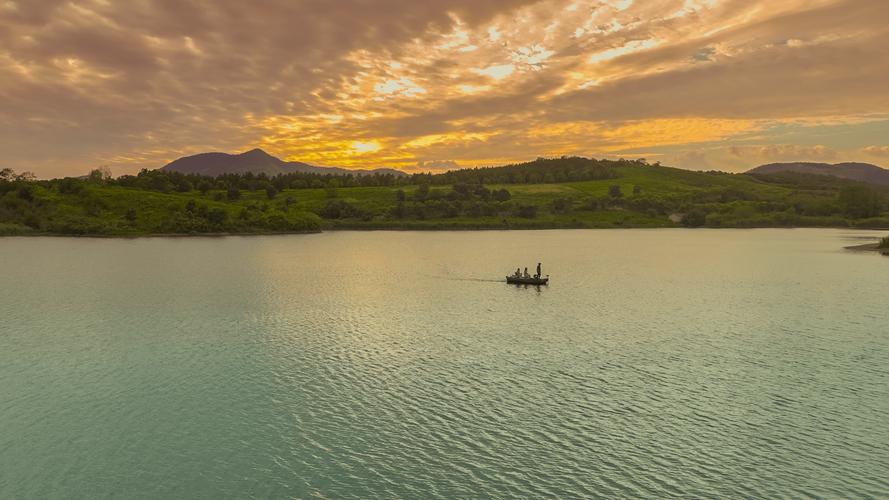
column 526, row 273
column 518, row 273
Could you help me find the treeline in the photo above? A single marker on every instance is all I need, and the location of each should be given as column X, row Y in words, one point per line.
column 539, row 171
column 473, row 200
column 814, row 200
column 542, row 170
column 158, row 180
column 91, row 206
column 153, row 202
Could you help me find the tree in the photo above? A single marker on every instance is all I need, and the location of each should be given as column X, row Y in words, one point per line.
column 217, row 216
column 561, row 205
column 614, row 191
column 204, row 186
column 695, row 218
column 233, row 193
column 398, row 210
column 161, row 183
column 338, row 209
column 527, row 211
column 100, row 174
column 70, row 185
column 859, row 201
column 422, row 192
column 270, row 192
column 26, row 193
column 502, row 195
column 462, row 190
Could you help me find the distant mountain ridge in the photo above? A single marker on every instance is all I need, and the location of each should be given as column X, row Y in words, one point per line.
column 862, row 172
column 258, row 162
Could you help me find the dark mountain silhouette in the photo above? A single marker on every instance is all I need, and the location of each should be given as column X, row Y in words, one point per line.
column 258, row 162
column 863, row 172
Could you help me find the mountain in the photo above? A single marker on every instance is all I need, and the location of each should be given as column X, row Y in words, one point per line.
column 863, row 172
column 256, row 161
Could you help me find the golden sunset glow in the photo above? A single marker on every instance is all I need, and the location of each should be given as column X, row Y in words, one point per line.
column 723, row 84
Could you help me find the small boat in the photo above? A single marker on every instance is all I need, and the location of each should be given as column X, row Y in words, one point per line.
column 521, row 280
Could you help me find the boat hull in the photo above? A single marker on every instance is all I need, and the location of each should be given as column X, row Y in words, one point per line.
column 526, row 281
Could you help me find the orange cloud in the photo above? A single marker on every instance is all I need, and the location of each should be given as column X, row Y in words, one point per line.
column 398, row 83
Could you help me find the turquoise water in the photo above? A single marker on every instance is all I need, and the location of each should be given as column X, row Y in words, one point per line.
column 658, row 363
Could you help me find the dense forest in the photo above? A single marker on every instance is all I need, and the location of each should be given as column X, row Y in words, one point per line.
column 545, row 193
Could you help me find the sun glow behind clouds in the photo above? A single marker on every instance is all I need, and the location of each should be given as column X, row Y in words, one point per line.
column 360, row 147
column 435, row 82
column 628, row 48
column 497, row 72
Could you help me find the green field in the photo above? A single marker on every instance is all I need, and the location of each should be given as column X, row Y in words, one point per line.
column 632, row 194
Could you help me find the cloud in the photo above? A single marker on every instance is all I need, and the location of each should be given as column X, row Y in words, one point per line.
column 881, row 151
column 432, row 165
column 785, row 152
column 136, row 84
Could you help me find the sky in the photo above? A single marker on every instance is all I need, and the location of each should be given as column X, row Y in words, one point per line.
column 440, row 84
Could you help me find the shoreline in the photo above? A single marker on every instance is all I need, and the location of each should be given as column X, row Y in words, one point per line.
column 861, row 248
column 868, row 247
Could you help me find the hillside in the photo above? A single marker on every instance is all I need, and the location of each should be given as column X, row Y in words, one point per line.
column 862, row 172
column 256, row 161
column 555, row 193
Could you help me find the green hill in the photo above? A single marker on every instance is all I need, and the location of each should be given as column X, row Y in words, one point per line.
column 546, row 193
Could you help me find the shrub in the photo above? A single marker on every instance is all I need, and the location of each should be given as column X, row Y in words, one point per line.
column 422, row 192
column 695, row 218
column 70, row 185
column 561, row 205
column 217, row 216
column 338, row 209
column 278, row 222
column 26, row 193
column 502, row 195
column 859, row 201
column 527, row 211
column 233, row 193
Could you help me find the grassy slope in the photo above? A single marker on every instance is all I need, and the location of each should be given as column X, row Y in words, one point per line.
column 101, row 209
column 655, row 183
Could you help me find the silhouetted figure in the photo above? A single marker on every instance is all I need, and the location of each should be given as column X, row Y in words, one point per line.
column 526, row 273
column 538, row 271
column 518, row 273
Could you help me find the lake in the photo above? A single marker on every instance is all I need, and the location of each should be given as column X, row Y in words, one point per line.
column 657, row 363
